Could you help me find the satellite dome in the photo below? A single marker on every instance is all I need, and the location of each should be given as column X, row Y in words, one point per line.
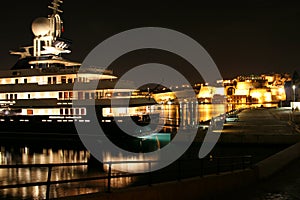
column 40, row 26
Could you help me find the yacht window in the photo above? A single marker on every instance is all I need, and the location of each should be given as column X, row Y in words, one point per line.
column 69, row 80
column 82, row 79
column 16, row 81
column 28, row 96
column 100, row 95
column 80, row 95
column 11, row 96
column 87, row 95
column 29, row 112
column 54, row 80
column 77, row 111
column 63, row 79
column 25, row 80
column 7, row 96
column 60, row 95
column 61, row 111
column 66, row 111
column 16, row 96
column 49, row 80
column 72, row 111
column 93, row 95
column 83, row 111
column 66, row 95
column 71, row 95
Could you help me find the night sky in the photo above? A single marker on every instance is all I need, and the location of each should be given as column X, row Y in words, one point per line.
column 242, row 37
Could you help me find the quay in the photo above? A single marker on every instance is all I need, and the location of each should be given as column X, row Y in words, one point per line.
column 261, row 126
column 256, row 126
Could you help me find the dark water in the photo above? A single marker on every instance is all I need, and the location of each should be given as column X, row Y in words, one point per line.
column 34, row 155
column 67, row 151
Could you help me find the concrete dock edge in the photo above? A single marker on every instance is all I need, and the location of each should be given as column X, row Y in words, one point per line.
column 276, row 162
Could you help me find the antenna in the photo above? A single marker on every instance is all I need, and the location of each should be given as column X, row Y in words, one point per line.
column 55, row 6
column 55, row 20
column 48, row 32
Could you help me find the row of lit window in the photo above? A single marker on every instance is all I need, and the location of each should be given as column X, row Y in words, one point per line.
column 80, row 95
column 85, row 95
column 72, row 111
column 53, row 80
column 93, row 95
column 65, row 95
column 16, row 81
column 64, row 79
column 14, row 96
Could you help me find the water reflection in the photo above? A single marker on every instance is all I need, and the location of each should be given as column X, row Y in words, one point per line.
column 32, row 155
column 189, row 114
column 27, row 155
column 185, row 115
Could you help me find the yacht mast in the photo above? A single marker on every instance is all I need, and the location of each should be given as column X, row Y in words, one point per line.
column 47, row 32
column 55, row 19
column 55, row 6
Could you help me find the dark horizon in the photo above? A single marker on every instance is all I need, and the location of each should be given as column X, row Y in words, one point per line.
column 249, row 37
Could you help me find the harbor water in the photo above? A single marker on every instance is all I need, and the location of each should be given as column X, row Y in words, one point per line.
column 60, row 151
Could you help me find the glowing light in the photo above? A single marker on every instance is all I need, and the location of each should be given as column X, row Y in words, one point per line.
column 26, row 150
column 207, row 92
column 122, row 163
column 241, row 92
column 280, row 90
column 257, row 95
column 268, row 97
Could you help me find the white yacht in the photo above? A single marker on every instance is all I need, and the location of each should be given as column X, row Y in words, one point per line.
column 37, row 93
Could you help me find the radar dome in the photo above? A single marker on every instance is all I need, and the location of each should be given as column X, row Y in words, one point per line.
column 40, row 26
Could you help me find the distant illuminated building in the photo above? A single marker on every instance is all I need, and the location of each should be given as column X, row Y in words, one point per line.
column 208, row 93
column 256, row 89
column 253, row 89
column 248, row 90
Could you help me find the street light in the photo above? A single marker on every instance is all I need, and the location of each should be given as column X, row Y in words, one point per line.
column 294, row 87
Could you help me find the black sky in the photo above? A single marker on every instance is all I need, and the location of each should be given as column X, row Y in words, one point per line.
column 242, row 37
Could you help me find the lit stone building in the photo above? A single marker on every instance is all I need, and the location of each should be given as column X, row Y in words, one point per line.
column 259, row 89
column 251, row 89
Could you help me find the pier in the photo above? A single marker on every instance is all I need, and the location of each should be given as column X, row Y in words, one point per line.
column 261, row 126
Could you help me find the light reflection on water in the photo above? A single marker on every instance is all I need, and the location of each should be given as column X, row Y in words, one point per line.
column 184, row 115
column 190, row 114
column 27, row 155
column 187, row 114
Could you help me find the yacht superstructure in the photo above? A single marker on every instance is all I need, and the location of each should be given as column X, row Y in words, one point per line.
column 38, row 91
